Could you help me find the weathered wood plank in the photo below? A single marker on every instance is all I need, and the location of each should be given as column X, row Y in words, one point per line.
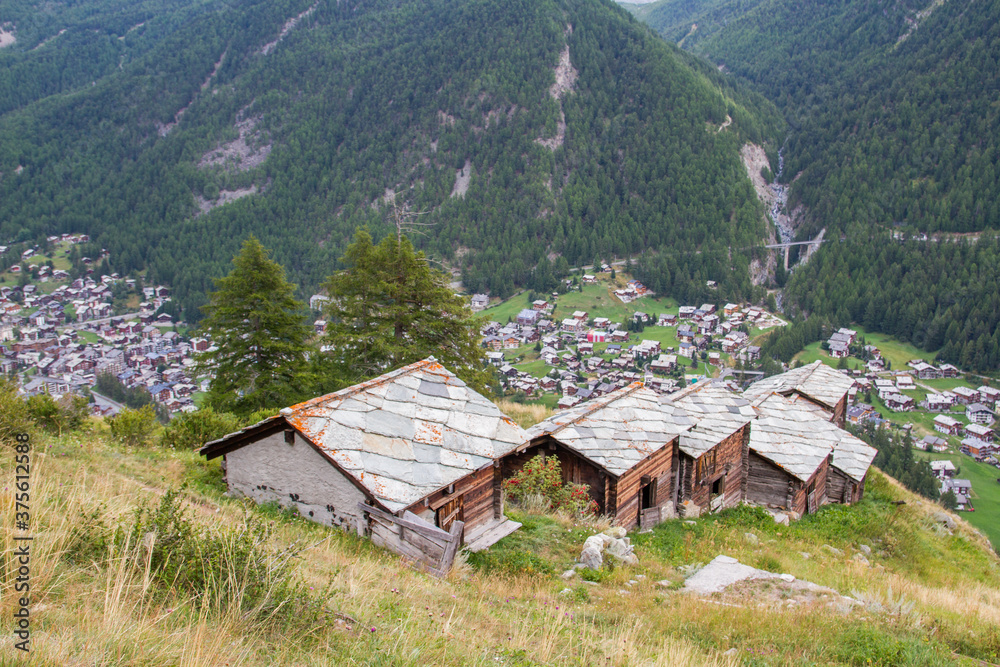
column 418, row 525
column 448, row 558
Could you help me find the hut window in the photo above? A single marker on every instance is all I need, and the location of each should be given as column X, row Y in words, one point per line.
column 289, row 437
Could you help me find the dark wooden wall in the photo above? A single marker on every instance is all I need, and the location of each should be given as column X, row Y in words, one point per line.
column 479, row 500
column 658, row 466
column 769, row 485
column 840, row 412
column 575, row 468
column 732, row 452
column 842, row 489
column 818, row 482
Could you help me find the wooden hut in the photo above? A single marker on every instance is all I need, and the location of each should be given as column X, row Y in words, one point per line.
column 408, row 458
column 845, row 483
column 789, row 458
column 816, row 387
column 711, row 457
column 620, row 445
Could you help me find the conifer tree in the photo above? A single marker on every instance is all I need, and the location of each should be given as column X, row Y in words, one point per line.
column 259, row 335
column 389, row 308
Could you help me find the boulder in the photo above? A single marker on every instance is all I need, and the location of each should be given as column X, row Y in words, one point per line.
column 832, row 550
column 781, row 518
column 689, row 510
column 941, row 517
column 751, row 539
column 860, row 558
column 591, row 557
column 615, row 532
column 865, row 549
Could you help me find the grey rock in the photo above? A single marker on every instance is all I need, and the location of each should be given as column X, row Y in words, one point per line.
column 569, row 574
column 781, row 519
column 592, row 558
column 941, row 517
column 788, row 578
column 751, row 539
column 860, row 558
column 690, row 523
column 616, row 532
column 832, row 550
column 865, row 549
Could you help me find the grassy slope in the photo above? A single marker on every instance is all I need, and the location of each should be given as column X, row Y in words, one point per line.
column 505, row 608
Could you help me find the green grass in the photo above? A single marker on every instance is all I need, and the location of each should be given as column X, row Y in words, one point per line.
column 985, row 491
column 89, row 336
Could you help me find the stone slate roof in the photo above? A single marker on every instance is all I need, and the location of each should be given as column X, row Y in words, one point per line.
column 405, row 434
column 852, row 456
column 816, row 380
column 717, row 413
column 790, row 437
column 618, row 430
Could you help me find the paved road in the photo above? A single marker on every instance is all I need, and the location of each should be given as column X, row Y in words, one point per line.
column 103, row 320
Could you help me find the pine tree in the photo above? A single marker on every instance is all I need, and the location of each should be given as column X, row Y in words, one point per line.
column 389, row 308
column 258, row 333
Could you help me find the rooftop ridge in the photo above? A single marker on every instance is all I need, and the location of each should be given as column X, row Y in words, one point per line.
column 363, row 386
column 599, row 403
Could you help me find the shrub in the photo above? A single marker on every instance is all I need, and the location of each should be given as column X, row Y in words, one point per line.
column 14, row 417
column 228, row 570
column 542, row 477
column 133, row 427
column 66, row 414
column 194, row 429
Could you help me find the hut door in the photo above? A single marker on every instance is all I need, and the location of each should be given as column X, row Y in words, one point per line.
column 647, row 493
column 811, row 498
column 451, row 512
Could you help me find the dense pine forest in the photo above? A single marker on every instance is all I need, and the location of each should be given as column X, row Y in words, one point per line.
column 194, row 126
column 892, row 105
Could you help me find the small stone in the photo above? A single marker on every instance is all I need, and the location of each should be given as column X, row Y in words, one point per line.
column 566, row 591
column 569, row 574
column 805, row 554
column 832, row 550
column 690, row 523
column 781, row 519
column 664, row 583
column 616, row 532
column 591, row 583
column 732, row 651
column 640, row 577
column 751, row 539
column 591, row 557
column 865, row 549
column 860, row 558
column 632, row 582
column 941, row 517
column 788, row 578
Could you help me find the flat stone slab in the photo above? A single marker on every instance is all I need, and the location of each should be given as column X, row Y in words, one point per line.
column 721, row 573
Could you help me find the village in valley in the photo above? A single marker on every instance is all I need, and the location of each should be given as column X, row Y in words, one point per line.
column 589, row 344
column 58, row 333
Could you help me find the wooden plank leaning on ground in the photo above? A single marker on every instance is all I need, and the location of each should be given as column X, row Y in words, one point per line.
column 410, row 536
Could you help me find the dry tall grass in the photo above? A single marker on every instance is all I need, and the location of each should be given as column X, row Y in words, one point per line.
column 524, row 416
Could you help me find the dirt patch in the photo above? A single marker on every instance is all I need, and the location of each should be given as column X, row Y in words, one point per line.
column 7, row 35
column 287, row 28
column 462, row 179
column 445, row 119
column 726, row 123
column 566, row 76
column 913, row 24
column 247, row 151
column 225, row 197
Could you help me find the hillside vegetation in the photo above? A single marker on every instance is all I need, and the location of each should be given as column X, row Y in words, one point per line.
column 525, row 131
column 197, row 578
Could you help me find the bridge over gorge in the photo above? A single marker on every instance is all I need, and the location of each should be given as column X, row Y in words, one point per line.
column 813, row 242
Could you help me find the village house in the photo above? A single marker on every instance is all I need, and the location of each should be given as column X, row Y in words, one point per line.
column 823, row 388
column 943, row 469
column 933, row 443
column 965, row 395
column 479, row 302
column 989, row 395
column 708, row 470
column 962, row 488
column 948, row 371
column 947, row 425
column 938, row 402
column 925, row 371
column 898, row 402
column 980, row 432
column 527, row 317
column 412, row 449
column 979, row 413
column 861, row 413
column 620, row 445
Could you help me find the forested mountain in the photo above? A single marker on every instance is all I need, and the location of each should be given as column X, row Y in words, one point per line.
column 533, row 134
column 892, row 104
column 894, row 125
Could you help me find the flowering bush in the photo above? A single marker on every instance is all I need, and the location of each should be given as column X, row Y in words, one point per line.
column 542, row 478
